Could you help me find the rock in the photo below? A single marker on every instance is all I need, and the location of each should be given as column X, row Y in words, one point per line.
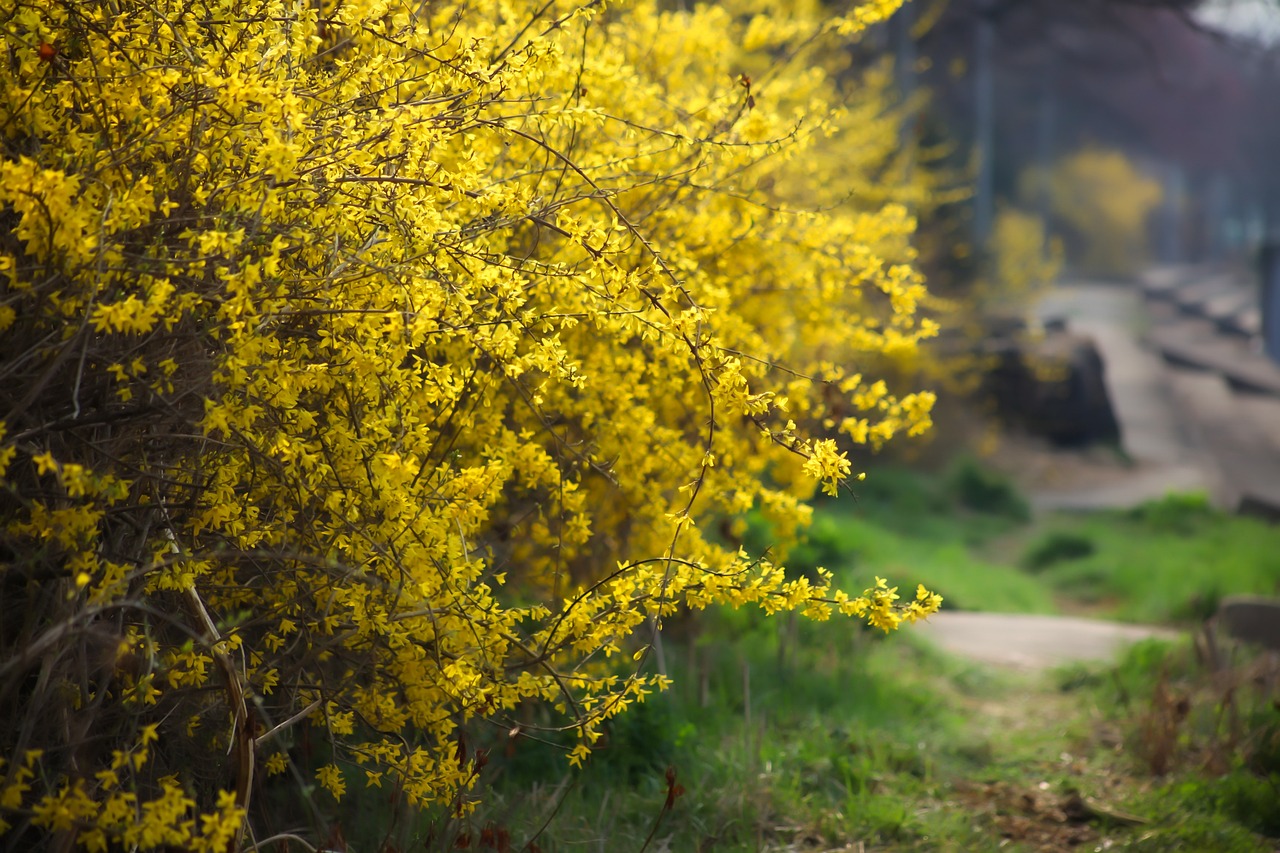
column 1053, row 387
column 1252, row 619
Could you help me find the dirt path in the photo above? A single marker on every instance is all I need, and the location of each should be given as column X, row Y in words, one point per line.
column 1031, row 642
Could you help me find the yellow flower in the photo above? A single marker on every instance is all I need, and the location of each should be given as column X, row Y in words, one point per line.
column 330, row 778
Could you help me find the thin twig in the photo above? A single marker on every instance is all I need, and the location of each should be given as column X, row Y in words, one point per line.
column 305, row 712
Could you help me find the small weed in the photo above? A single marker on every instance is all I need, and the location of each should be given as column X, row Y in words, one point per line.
column 1197, row 831
column 1057, row 547
column 1159, row 735
column 982, row 490
column 1176, row 513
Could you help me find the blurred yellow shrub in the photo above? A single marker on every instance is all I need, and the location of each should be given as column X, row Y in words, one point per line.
column 1101, row 201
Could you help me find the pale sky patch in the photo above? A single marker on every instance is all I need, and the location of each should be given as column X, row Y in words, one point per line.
column 1257, row 19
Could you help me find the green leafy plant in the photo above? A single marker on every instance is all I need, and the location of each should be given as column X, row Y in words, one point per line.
column 1057, row 547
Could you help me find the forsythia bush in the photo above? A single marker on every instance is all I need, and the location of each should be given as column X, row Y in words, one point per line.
column 1102, row 201
column 371, row 367
column 1024, row 262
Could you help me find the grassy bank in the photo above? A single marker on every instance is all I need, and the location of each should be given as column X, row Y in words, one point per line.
column 969, row 535
column 838, row 741
column 884, row 744
column 785, row 735
column 1168, row 561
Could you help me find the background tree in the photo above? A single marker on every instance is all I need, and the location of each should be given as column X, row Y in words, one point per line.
column 1150, row 79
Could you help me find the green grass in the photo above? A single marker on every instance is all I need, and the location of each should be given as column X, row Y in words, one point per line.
column 913, row 528
column 1202, row 743
column 942, row 563
column 834, row 743
column 1170, row 561
column 788, row 735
